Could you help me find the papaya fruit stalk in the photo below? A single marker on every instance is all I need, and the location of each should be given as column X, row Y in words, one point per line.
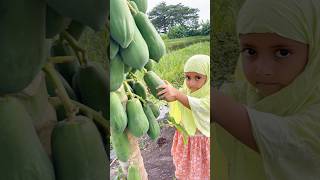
column 133, row 11
column 71, row 110
column 76, row 47
column 61, row 59
column 128, row 91
column 97, row 117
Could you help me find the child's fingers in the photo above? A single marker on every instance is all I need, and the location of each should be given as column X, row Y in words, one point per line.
column 162, row 92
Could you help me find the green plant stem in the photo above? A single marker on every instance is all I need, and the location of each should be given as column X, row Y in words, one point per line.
column 61, row 92
column 76, row 47
column 140, row 98
column 96, row 117
column 61, row 59
column 127, row 89
column 133, row 11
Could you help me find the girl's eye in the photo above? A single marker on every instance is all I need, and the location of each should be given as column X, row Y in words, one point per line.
column 198, row 77
column 187, row 77
column 248, row 52
column 282, row 53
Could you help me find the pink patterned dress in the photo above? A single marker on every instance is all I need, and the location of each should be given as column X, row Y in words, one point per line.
column 192, row 161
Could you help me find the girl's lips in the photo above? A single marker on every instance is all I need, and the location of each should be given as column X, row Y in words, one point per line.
column 266, row 83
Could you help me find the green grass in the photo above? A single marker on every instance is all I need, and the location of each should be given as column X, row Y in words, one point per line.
column 175, row 44
column 171, row 65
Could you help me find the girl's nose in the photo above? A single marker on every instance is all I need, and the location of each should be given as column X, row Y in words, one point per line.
column 264, row 67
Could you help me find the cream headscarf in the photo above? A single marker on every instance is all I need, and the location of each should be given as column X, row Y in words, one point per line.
column 286, row 124
column 199, row 115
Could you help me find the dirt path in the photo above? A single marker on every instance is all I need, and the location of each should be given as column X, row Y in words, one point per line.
column 156, row 155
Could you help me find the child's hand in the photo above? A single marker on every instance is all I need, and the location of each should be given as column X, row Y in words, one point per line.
column 168, row 92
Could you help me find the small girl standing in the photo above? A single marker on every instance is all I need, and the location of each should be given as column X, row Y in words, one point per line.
column 268, row 121
column 190, row 106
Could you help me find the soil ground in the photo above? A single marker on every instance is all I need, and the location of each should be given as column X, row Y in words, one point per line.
column 156, row 156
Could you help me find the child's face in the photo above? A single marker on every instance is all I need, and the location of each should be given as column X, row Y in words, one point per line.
column 271, row 62
column 195, row 80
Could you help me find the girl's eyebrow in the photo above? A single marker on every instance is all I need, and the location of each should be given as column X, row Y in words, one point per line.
column 247, row 45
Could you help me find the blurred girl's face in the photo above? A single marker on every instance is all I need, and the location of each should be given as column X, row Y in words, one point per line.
column 195, row 80
column 271, row 62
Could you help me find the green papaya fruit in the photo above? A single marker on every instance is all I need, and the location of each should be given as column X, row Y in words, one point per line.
column 118, row 116
column 23, row 47
column 136, row 55
column 78, row 151
column 154, row 108
column 93, row 13
column 153, row 39
column 139, row 89
column 153, row 81
column 51, row 87
column 67, row 69
column 154, row 128
column 114, row 49
column 138, row 123
column 55, row 23
column 142, row 5
column 133, row 173
column 116, row 73
column 121, row 23
column 76, row 29
column 93, row 87
column 149, row 66
column 121, row 145
column 127, row 68
column 22, row 155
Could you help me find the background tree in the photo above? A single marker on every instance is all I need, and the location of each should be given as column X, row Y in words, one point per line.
column 165, row 16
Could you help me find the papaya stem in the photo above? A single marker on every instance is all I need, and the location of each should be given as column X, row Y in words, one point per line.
column 96, row 117
column 133, row 11
column 127, row 89
column 76, row 47
column 145, row 70
column 140, row 98
column 61, row 59
column 61, row 92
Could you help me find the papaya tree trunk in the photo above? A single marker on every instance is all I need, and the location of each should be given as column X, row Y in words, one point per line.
column 135, row 156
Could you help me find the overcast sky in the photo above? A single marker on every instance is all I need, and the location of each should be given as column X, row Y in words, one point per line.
column 202, row 5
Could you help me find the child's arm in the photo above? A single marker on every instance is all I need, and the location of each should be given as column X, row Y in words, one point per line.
column 233, row 117
column 169, row 93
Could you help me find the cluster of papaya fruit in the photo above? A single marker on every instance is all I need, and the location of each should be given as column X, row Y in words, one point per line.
column 38, row 36
column 135, row 45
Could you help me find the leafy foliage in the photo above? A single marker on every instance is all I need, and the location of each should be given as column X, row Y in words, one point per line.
column 165, row 16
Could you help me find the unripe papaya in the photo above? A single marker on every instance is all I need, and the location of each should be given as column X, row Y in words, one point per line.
column 154, row 41
column 55, row 23
column 154, row 128
column 67, row 69
column 116, row 73
column 118, row 116
column 138, row 123
column 121, row 145
column 154, row 108
column 88, row 12
column 136, row 54
column 78, row 151
column 23, row 46
column 142, row 5
column 76, row 29
column 91, row 81
column 21, row 154
column 149, row 66
column 114, row 49
column 121, row 23
column 153, row 81
column 140, row 90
